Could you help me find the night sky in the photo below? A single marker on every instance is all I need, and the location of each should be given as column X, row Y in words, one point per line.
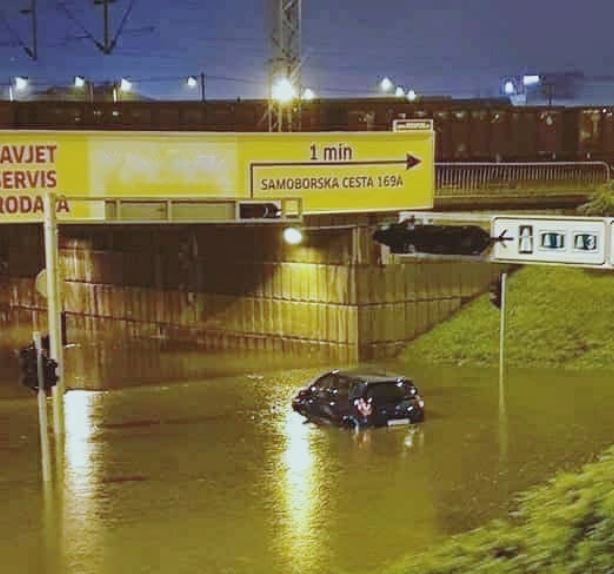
column 457, row 47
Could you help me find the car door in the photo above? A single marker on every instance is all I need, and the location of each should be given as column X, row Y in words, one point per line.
column 339, row 397
column 321, row 392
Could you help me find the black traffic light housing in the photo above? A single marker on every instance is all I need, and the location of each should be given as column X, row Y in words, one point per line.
column 29, row 374
column 29, row 368
column 495, row 292
column 410, row 237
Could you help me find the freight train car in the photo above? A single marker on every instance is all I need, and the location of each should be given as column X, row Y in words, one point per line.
column 468, row 130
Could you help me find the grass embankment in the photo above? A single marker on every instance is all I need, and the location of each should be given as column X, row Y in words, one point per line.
column 557, row 317
column 564, row 527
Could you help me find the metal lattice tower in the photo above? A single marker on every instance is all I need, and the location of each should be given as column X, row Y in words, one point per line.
column 285, row 37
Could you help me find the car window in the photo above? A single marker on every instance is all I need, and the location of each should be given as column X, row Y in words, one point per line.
column 324, row 383
column 389, row 392
column 341, row 388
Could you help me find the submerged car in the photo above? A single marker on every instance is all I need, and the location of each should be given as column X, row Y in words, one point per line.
column 356, row 400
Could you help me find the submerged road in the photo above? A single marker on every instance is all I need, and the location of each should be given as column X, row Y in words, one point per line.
column 213, row 472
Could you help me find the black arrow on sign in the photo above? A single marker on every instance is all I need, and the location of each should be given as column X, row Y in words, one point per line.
column 409, row 162
column 503, row 238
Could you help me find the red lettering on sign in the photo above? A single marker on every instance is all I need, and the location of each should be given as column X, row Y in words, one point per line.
column 28, row 204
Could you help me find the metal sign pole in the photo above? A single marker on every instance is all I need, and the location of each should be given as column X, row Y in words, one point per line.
column 54, row 308
column 502, row 329
column 42, row 410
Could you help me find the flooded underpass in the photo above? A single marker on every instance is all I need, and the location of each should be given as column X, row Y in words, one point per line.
column 180, row 461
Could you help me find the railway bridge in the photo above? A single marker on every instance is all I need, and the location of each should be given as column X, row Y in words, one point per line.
column 215, row 270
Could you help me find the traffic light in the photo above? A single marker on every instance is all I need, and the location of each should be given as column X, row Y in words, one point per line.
column 50, row 375
column 409, row 237
column 495, row 292
column 29, row 374
column 29, row 369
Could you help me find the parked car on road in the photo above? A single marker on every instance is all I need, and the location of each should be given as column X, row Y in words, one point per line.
column 356, row 400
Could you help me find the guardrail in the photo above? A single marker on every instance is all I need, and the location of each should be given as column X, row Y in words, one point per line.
column 92, row 209
column 491, row 179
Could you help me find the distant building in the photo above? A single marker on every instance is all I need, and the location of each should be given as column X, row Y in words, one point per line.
column 558, row 88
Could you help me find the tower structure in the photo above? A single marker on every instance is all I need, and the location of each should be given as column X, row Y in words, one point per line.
column 284, row 66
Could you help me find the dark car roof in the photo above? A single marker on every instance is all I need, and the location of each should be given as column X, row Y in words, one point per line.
column 371, row 377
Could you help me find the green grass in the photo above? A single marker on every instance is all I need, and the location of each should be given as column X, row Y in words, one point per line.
column 564, row 527
column 561, row 318
column 557, row 317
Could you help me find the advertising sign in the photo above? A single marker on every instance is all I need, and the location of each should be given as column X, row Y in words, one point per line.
column 331, row 172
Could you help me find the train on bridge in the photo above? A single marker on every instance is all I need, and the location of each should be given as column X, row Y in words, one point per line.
column 467, row 130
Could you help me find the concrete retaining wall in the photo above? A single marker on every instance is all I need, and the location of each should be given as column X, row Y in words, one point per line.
column 238, row 287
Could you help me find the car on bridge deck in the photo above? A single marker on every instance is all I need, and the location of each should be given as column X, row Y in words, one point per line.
column 353, row 399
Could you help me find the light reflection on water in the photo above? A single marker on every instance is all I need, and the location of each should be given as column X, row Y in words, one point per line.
column 219, row 475
column 81, row 528
column 299, row 493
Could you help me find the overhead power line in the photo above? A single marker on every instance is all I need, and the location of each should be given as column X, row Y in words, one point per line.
column 109, row 40
column 31, row 49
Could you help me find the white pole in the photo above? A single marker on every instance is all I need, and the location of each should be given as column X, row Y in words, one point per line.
column 502, row 329
column 54, row 308
column 42, row 410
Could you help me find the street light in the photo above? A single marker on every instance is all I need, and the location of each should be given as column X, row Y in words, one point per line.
column 386, row 84
column 293, row 236
column 194, row 81
column 18, row 84
column 21, row 83
column 283, row 91
column 309, row 95
column 399, row 92
column 509, row 88
column 81, row 84
column 125, row 85
column 412, row 96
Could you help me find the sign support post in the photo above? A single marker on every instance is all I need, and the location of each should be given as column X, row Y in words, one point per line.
column 502, row 329
column 54, row 308
column 42, row 410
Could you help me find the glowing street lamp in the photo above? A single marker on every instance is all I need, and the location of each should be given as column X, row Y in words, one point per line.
column 283, row 91
column 509, row 88
column 19, row 84
column 193, row 82
column 125, row 85
column 412, row 96
column 309, row 95
column 399, row 92
column 82, row 84
column 386, row 85
column 293, row 236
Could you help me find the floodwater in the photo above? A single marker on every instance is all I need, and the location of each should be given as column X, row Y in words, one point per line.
column 212, row 471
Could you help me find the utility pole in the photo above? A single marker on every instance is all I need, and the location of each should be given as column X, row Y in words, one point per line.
column 109, row 40
column 284, row 65
column 202, row 87
column 106, row 34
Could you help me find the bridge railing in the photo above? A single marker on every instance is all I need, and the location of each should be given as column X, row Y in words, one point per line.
column 491, row 179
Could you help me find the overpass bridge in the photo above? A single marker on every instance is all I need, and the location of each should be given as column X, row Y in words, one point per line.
column 233, row 283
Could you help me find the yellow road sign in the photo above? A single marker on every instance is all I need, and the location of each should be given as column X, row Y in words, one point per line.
column 330, row 172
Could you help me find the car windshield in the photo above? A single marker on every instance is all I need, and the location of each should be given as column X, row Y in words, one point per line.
column 390, row 391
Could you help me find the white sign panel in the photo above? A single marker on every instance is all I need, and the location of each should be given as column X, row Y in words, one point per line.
column 412, row 125
column 611, row 233
column 564, row 240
